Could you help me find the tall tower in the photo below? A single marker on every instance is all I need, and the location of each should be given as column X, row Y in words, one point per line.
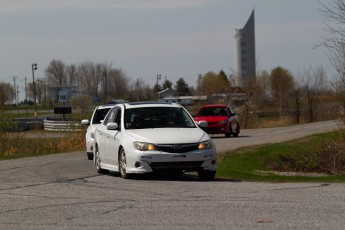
column 245, row 53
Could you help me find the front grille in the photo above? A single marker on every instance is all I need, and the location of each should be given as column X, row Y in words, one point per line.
column 177, row 148
column 181, row 165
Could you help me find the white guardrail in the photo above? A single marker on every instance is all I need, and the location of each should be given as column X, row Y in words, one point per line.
column 52, row 125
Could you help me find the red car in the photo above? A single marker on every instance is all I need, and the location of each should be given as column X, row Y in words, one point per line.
column 220, row 118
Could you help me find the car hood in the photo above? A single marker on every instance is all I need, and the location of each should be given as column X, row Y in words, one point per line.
column 168, row 135
column 211, row 118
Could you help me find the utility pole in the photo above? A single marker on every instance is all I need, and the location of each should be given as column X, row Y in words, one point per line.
column 159, row 76
column 15, row 90
column 34, row 67
column 26, row 99
column 104, row 86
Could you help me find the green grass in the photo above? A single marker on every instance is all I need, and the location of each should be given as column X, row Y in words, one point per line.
column 257, row 163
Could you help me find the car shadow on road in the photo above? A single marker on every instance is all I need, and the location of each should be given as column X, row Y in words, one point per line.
column 230, row 138
column 185, row 177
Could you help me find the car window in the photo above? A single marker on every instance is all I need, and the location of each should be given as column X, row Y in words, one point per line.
column 157, row 117
column 118, row 117
column 110, row 116
column 99, row 115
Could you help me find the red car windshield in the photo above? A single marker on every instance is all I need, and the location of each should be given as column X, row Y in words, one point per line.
column 212, row 111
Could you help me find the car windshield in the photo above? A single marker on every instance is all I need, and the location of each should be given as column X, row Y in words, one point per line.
column 157, row 117
column 99, row 115
column 214, row 111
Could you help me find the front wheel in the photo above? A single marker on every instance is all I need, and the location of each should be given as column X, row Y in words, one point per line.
column 123, row 164
column 206, row 175
column 98, row 162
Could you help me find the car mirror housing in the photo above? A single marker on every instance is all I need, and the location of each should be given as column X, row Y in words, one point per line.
column 85, row 122
column 203, row 124
column 112, row 126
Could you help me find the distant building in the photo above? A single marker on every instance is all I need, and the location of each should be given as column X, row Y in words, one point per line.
column 61, row 94
column 245, row 52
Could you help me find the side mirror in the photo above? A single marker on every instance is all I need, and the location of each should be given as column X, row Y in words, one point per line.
column 202, row 124
column 112, row 126
column 85, row 122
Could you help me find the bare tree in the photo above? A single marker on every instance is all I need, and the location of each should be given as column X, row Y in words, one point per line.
column 140, row 91
column 88, row 80
column 56, row 73
column 315, row 81
column 72, row 73
column 281, row 84
column 334, row 39
column 6, row 93
column 117, row 84
column 297, row 100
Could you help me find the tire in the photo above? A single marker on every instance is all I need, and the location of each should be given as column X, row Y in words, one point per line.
column 89, row 156
column 228, row 134
column 123, row 164
column 237, row 130
column 206, row 175
column 98, row 162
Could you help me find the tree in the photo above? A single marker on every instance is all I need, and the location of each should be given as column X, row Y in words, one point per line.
column 72, row 73
column 213, row 83
column 56, row 73
column 117, row 84
column 334, row 39
column 282, row 83
column 315, row 81
column 6, row 93
column 140, row 91
column 88, row 80
column 182, row 88
column 297, row 101
column 167, row 84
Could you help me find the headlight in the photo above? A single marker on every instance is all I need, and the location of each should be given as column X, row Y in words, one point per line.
column 142, row 146
column 222, row 122
column 205, row 145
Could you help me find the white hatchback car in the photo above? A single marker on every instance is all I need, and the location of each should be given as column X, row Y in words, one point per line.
column 96, row 119
column 142, row 137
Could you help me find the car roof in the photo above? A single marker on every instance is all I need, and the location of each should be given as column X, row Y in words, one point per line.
column 214, row 106
column 105, row 107
column 151, row 104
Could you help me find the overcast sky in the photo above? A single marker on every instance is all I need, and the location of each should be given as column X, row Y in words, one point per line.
column 174, row 38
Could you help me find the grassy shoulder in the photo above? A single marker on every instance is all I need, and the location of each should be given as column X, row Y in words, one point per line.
column 20, row 145
column 316, row 158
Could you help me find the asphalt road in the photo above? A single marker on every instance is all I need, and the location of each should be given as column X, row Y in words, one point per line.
column 63, row 191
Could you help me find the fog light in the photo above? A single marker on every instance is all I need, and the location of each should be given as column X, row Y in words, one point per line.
column 137, row 164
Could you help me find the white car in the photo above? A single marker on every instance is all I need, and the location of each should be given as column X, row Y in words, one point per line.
column 142, row 137
column 96, row 119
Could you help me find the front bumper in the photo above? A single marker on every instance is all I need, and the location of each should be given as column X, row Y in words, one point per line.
column 162, row 161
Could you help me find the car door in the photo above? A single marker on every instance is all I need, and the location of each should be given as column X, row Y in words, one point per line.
column 103, row 134
column 112, row 139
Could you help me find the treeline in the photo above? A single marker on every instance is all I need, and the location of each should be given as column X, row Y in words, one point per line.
column 305, row 97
